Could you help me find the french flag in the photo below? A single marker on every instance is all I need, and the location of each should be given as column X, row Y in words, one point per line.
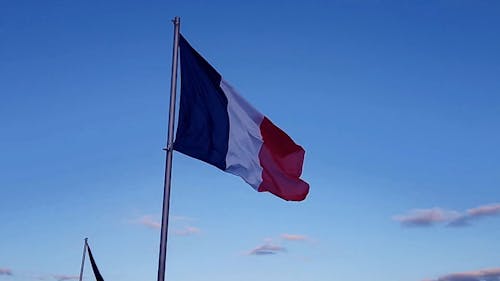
column 216, row 125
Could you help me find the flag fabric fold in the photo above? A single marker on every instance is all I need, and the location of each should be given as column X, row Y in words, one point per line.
column 218, row 126
column 97, row 274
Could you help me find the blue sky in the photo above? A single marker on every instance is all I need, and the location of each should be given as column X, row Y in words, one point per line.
column 397, row 104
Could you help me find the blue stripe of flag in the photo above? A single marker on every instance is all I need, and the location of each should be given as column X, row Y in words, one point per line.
column 203, row 126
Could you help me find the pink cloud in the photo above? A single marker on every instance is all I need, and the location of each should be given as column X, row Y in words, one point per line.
column 492, row 274
column 294, row 237
column 148, row 221
column 186, row 231
column 426, row 217
column 485, row 210
column 5, row 271
column 64, row 277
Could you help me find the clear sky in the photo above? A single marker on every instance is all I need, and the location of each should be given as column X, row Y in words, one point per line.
column 397, row 104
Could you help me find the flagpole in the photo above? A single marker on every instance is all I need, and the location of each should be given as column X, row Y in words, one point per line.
column 83, row 259
column 168, row 160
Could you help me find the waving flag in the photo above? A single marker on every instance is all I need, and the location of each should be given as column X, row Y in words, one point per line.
column 216, row 125
column 97, row 274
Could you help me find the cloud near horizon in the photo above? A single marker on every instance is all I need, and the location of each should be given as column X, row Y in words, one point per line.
column 58, row 277
column 64, row 277
column 429, row 217
column 5, row 271
column 492, row 274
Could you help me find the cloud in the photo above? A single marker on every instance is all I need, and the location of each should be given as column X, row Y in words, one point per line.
column 492, row 274
column 267, row 249
column 182, row 218
column 186, row 231
column 426, row 217
column 5, row 271
column 485, row 210
column 475, row 214
column 460, row 221
column 64, row 277
column 151, row 222
column 271, row 248
column 294, row 237
column 148, row 221
column 58, row 277
column 429, row 217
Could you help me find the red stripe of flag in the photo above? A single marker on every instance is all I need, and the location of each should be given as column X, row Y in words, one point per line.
column 281, row 160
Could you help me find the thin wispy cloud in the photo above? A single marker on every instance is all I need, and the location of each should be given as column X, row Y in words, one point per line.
column 267, row 249
column 182, row 218
column 492, row 274
column 5, row 271
column 426, row 217
column 460, row 221
column 294, row 237
column 41, row 277
column 476, row 213
column 148, row 221
column 485, row 210
column 452, row 218
column 64, row 277
column 186, row 231
column 153, row 222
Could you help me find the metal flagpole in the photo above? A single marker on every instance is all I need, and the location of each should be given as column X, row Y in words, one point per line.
column 83, row 259
column 169, row 149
